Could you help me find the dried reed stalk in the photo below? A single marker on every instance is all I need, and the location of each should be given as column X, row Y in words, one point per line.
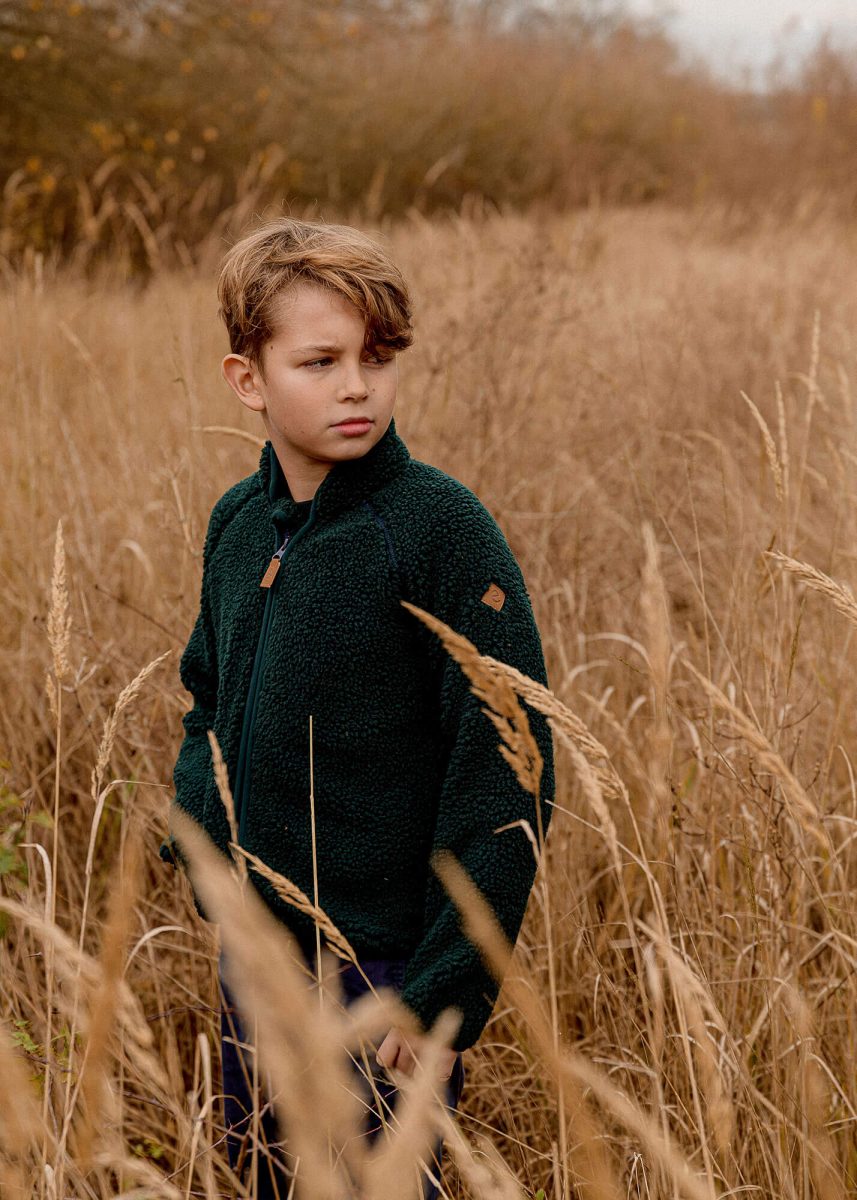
column 300, row 1043
column 487, row 1176
column 74, row 967
column 293, row 895
column 77, row 970
column 517, row 744
column 201, row 1140
column 770, row 448
column 100, row 795
column 394, row 1171
column 498, row 683
column 52, row 695
column 825, row 1171
column 654, row 604
column 126, row 697
column 813, row 394
column 243, row 434
column 693, row 1001
column 519, row 748
column 59, row 637
column 802, row 809
column 569, row 1069
column 59, row 616
column 334, row 940
column 838, row 594
column 784, row 456
column 104, row 1003
column 595, row 797
column 221, row 778
column 561, row 717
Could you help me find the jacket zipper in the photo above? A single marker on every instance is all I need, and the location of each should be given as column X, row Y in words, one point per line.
column 274, row 565
column 269, row 581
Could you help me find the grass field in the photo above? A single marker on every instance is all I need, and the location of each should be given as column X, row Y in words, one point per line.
column 658, row 408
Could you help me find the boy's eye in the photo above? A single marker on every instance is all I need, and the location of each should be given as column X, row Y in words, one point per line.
column 376, row 359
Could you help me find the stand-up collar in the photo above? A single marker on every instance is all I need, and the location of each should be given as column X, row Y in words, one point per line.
column 344, row 486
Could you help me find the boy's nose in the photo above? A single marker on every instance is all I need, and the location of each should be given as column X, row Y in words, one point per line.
column 354, row 388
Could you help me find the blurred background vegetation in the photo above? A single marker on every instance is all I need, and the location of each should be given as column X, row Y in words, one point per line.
column 139, row 133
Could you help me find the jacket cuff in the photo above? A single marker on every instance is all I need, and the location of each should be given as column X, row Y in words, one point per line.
column 474, row 1006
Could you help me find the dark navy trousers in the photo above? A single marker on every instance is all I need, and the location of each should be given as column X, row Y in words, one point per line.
column 275, row 1168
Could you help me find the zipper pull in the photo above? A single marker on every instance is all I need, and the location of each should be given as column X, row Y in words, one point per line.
column 274, row 565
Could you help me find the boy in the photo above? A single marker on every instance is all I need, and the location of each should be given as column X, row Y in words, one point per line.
column 304, row 566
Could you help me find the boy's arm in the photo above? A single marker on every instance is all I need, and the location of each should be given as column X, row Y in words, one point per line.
column 198, row 673
column 480, row 791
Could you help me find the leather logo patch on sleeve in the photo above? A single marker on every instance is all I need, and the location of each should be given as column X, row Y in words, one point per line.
column 494, row 596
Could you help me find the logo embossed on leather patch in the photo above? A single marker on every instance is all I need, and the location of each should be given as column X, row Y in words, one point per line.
column 494, row 596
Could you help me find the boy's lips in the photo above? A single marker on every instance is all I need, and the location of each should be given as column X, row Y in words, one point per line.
column 354, row 427
column 354, row 424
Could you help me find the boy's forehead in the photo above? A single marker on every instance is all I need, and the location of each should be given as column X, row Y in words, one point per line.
column 309, row 312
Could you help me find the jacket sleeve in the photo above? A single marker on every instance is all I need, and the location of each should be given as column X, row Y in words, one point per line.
column 198, row 673
column 480, row 791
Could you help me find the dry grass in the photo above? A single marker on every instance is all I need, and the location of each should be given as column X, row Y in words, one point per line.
column 140, row 137
column 659, row 410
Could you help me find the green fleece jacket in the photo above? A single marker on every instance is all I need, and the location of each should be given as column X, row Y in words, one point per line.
column 404, row 759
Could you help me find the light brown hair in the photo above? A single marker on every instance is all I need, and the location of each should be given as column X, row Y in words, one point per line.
column 259, row 268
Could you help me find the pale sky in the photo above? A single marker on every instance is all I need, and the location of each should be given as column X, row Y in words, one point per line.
column 735, row 33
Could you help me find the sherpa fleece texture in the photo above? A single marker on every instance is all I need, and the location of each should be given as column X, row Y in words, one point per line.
column 405, row 761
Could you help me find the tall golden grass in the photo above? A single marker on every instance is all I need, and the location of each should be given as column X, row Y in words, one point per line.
column 659, row 409
column 139, row 134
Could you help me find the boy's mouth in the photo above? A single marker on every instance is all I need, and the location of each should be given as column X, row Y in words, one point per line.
column 356, row 421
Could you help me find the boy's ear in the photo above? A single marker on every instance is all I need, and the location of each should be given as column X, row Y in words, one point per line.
column 244, row 380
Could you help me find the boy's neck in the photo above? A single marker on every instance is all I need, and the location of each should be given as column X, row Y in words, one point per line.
column 302, row 490
column 302, row 476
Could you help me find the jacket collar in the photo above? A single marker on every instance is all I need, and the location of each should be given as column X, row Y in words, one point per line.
column 344, row 486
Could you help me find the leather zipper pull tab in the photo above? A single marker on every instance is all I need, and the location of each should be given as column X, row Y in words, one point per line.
column 274, row 565
column 271, row 573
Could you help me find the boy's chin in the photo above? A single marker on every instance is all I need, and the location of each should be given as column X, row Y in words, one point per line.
column 354, row 447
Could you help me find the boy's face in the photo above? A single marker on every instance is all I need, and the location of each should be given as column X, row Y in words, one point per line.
column 317, row 375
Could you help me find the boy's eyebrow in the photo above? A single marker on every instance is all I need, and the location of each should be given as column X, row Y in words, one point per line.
column 326, row 349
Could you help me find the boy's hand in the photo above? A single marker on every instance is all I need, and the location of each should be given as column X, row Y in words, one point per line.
column 401, row 1052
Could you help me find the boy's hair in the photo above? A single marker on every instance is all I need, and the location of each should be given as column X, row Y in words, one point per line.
column 259, row 268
